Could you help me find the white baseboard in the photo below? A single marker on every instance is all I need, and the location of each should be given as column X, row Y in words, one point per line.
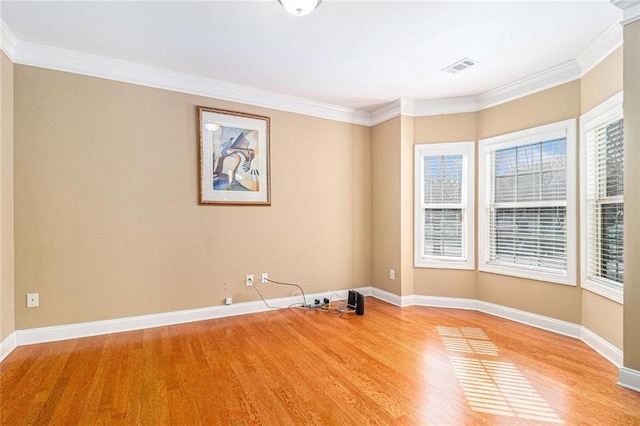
column 96, row 328
column 8, row 345
column 539, row 321
column 534, row 320
column 392, row 298
column 629, row 379
column 604, row 348
column 446, row 302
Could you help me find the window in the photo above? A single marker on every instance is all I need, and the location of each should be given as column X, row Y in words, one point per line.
column 527, row 203
column 601, row 171
column 444, row 205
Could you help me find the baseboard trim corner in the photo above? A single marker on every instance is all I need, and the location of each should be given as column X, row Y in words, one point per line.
column 8, row 345
column 391, row 298
column 629, row 378
column 604, row 348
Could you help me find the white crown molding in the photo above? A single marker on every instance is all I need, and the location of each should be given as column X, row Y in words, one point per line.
column 386, row 112
column 546, row 79
column 401, row 106
column 96, row 66
column 600, row 48
column 8, row 40
column 630, row 10
column 8, row 345
column 423, row 108
column 629, row 379
column 111, row 69
column 445, row 106
column 551, row 77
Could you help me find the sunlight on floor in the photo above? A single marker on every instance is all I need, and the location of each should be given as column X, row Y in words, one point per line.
column 499, row 388
column 467, row 340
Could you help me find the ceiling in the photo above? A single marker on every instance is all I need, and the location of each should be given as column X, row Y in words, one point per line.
column 354, row 54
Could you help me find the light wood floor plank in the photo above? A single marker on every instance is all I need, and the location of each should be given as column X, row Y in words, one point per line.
column 406, row 366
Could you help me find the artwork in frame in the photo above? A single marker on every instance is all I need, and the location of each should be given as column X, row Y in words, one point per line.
column 234, row 158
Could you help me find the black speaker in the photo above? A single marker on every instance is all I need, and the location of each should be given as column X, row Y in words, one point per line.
column 356, row 301
column 359, row 304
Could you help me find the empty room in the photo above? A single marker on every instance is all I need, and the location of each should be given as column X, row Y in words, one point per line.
column 320, row 212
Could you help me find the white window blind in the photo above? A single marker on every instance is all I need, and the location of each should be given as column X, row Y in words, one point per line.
column 444, row 233
column 527, row 209
column 444, row 205
column 527, row 205
column 604, row 201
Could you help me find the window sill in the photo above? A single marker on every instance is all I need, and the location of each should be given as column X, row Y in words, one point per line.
column 443, row 264
column 529, row 274
column 611, row 293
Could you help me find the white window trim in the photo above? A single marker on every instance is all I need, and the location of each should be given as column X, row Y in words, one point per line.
column 566, row 129
column 467, row 149
column 587, row 120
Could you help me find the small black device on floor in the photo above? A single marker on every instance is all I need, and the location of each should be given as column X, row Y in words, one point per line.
column 356, row 301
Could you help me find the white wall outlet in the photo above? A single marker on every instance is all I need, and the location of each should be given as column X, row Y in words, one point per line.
column 33, row 300
column 228, row 301
column 265, row 278
column 392, row 274
column 249, row 280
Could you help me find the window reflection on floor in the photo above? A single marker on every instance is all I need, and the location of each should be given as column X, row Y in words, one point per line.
column 468, row 340
column 499, row 388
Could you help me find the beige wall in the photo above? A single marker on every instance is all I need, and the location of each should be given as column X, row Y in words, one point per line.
column 553, row 300
column 602, row 82
column 7, row 323
column 446, row 128
column 549, row 106
column 445, row 282
column 632, row 195
column 107, row 223
column 604, row 317
column 385, row 205
column 107, row 220
column 601, row 315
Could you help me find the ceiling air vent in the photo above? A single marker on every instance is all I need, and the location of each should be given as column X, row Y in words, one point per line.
column 461, row 65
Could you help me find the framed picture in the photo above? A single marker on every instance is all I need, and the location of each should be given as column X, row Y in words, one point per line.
column 234, row 158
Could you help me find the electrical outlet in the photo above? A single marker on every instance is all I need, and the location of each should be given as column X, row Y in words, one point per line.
column 265, row 278
column 249, row 280
column 392, row 274
column 228, row 301
column 33, row 300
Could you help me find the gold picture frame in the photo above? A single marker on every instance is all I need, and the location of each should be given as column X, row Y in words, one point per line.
column 234, row 158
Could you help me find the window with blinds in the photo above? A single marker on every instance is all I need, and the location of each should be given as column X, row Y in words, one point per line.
column 528, row 200
column 526, row 206
column 603, row 188
column 443, row 210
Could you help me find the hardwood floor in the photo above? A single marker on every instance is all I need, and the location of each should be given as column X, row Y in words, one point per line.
column 391, row 366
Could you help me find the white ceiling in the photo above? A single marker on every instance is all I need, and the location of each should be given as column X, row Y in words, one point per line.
column 354, row 54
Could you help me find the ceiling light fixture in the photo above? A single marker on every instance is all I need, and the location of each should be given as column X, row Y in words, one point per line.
column 300, row 7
